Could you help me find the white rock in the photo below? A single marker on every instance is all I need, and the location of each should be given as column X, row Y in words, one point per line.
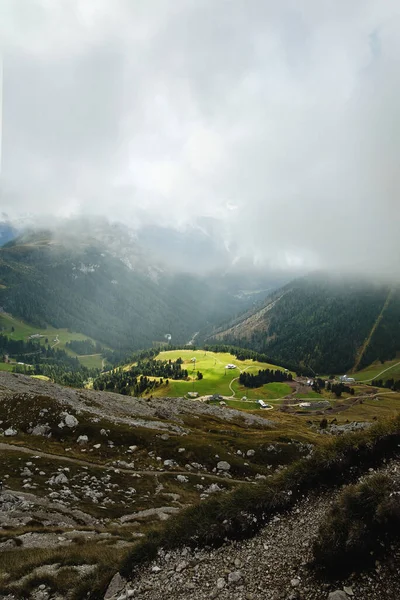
column 250, row 453
column 133, row 448
column 60, row 479
column 295, row 582
column 10, row 431
column 70, row 421
column 82, row 439
column 180, row 450
column 182, row 478
column 223, row 466
column 348, row 590
column 97, row 446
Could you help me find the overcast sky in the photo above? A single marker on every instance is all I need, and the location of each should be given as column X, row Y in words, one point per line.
column 280, row 119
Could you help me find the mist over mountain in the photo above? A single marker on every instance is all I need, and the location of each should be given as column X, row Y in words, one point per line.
column 276, row 124
column 327, row 323
column 96, row 279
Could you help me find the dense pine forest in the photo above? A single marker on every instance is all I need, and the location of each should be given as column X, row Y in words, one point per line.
column 141, row 377
column 86, row 288
column 262, row 377
column 322, row 324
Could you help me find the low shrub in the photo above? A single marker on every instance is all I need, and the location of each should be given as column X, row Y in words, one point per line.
column 358, row 526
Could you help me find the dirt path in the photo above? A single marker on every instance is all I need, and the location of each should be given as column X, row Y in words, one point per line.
column 191, row 341
column 371, row 333
column 379, row 374
column 57, row 341
column 78, row 461
column 235, row 379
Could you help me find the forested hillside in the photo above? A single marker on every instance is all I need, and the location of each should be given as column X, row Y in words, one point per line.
column 86, row 287
column 322, row 322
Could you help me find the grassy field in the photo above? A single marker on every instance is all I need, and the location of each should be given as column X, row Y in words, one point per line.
column 385, row 405
column 6, row 366
column 92, row 361
column 377, row 367
column 269, row 391
column 216, row 378
column 22, row 331
column 311, row 394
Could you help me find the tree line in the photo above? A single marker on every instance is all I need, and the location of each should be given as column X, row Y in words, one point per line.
column 136, row 380
column 262, row 377
column 391, row 384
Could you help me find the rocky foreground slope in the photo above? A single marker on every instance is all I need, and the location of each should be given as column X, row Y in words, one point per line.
column 87, row 474
column 274, row 565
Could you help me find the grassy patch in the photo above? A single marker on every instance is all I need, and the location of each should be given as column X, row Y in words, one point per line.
column 66, row 579
column 7, row 366
column 23, row 330
column 310, row 394
column 216, row 379
column 91, row 361
column 376, row 368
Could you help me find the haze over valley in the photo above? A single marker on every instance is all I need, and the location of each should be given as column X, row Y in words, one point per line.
column 199, row 300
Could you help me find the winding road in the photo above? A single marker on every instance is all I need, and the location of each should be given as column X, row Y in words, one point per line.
column 379, row 374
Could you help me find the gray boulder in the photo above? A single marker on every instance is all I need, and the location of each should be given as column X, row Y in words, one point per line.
column 41, row 430
column 10, row 431
column 116, row 585
column 82, row 439
column 234, row 577
column 70, row 421
column 223, row 466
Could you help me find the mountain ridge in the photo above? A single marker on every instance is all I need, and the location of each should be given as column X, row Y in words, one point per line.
column 322, row 322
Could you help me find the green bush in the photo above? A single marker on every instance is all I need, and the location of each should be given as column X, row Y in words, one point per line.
column 359, row 523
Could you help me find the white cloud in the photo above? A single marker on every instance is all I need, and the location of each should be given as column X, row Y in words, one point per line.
column 168, row 112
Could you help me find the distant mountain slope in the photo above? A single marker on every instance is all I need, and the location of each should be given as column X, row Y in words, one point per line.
column 326, row 323
column 7, row 233
column 104, row 285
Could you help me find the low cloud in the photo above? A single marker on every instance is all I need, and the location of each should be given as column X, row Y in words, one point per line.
column 279, row 121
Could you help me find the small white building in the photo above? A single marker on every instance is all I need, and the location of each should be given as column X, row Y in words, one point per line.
column 346, row 379
column 230, row 366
